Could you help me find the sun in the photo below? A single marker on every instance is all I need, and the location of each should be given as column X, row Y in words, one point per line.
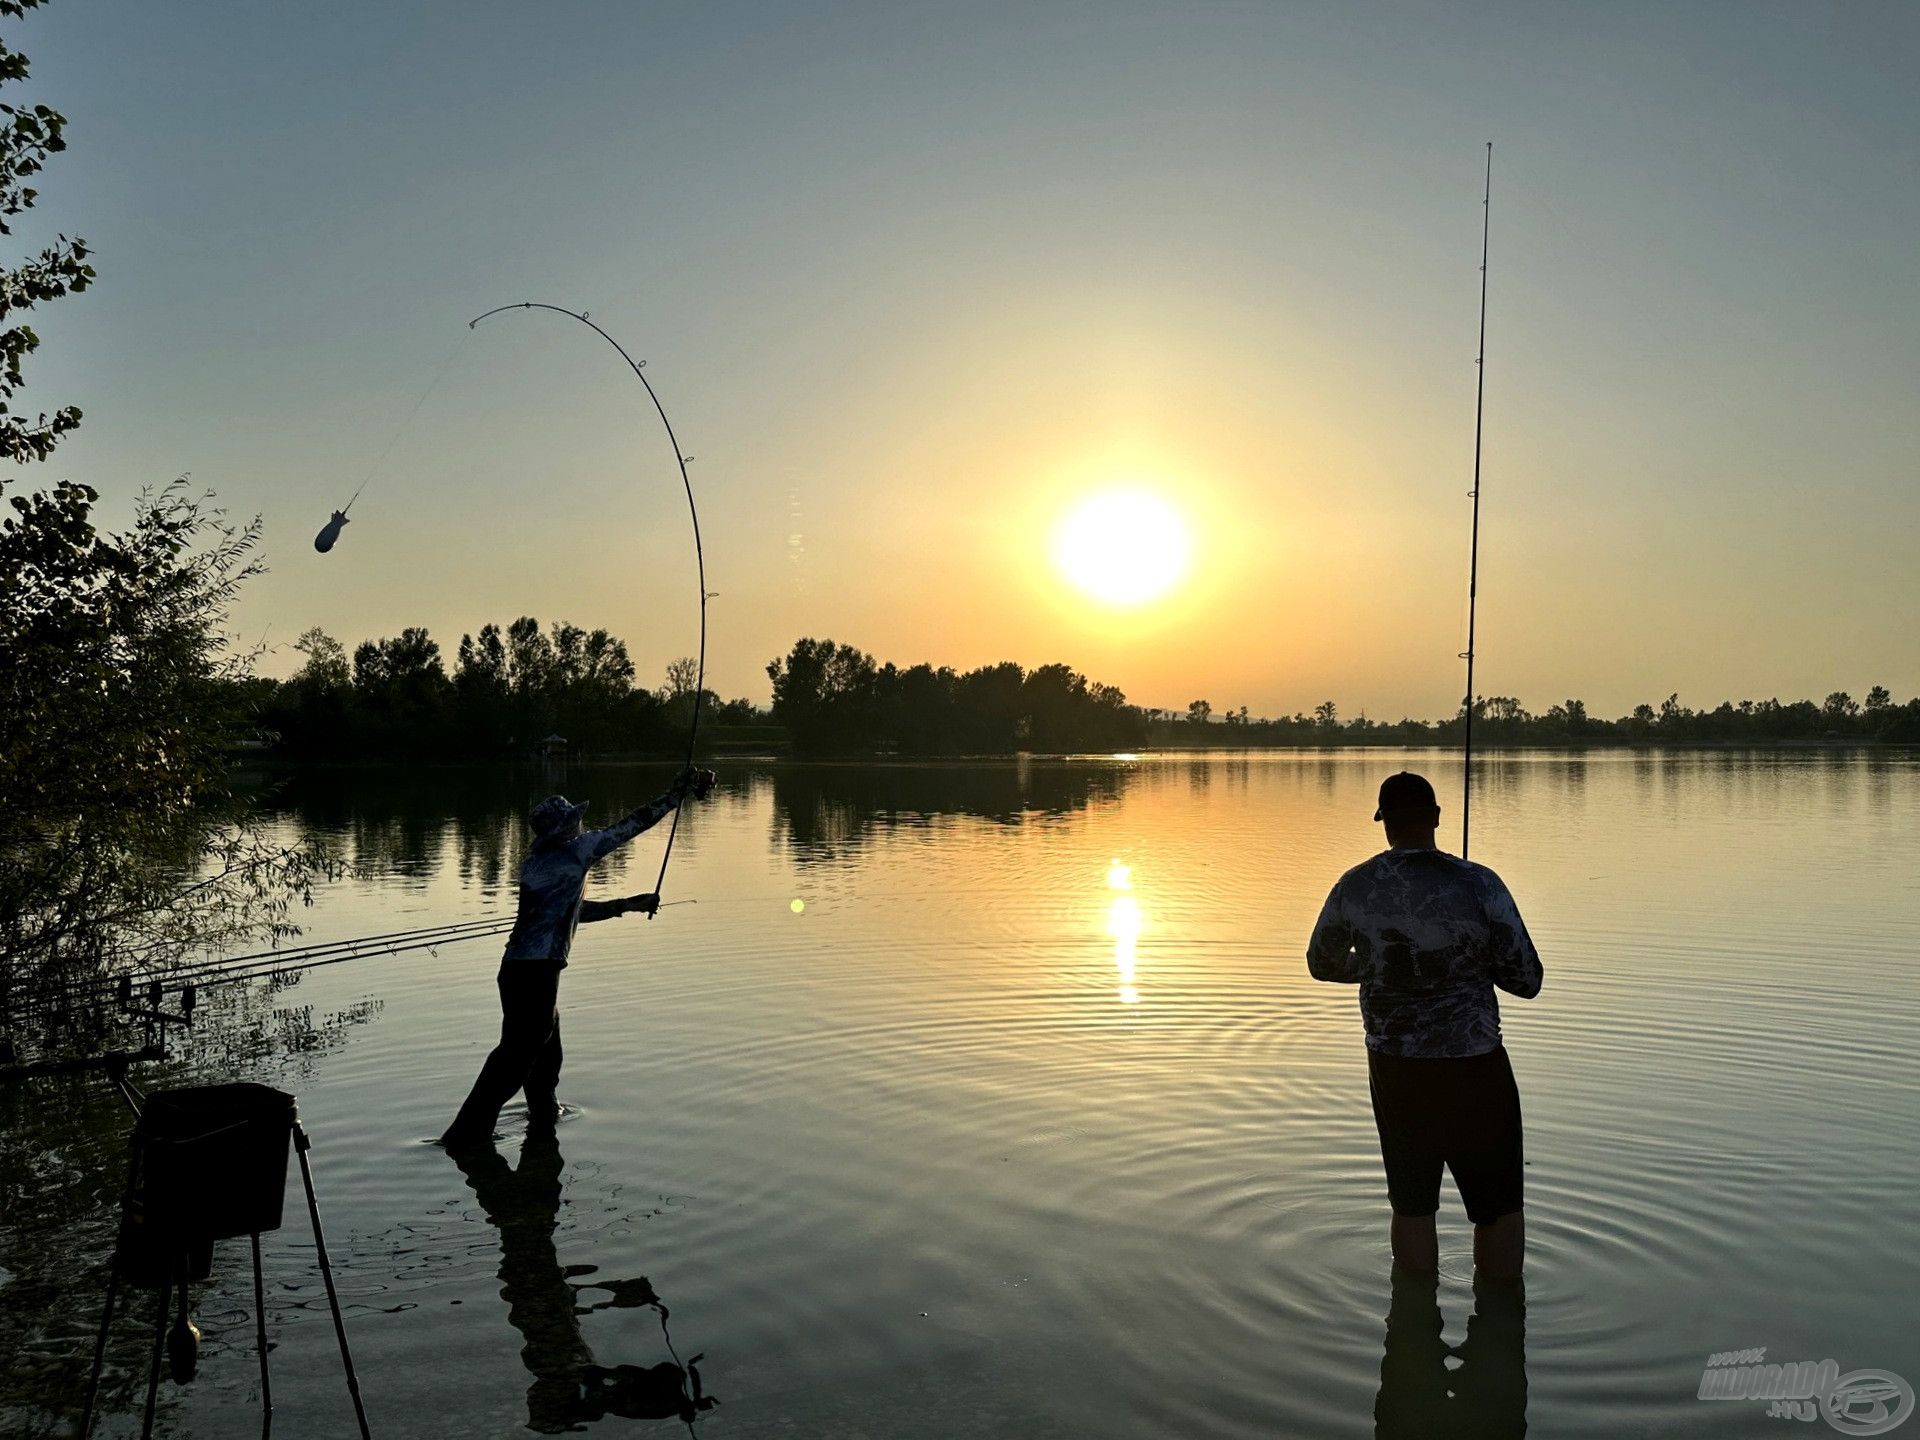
column 1123, row 547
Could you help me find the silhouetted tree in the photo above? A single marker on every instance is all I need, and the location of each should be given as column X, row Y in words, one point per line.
column 120, row 836
column 509, row 689
column 824, row 693
column 400, row 688
column 682, row 676
column 120, row 832
column 29, row 134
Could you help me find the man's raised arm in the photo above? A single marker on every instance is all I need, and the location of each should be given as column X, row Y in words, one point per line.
column 599, row 842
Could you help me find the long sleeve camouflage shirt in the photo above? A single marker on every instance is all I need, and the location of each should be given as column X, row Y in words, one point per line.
column 1427, row 937
column 553, row 877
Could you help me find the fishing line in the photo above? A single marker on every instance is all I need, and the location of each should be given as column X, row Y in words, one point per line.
column 400, row 429
column 330, row 532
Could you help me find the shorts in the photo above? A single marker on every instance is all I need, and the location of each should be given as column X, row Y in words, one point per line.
column 1463, row 1114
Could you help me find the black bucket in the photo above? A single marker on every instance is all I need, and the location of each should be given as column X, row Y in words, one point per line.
column 212, row 1163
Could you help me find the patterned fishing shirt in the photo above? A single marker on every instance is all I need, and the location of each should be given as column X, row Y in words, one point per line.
column 553, row 877
column 1426, row 936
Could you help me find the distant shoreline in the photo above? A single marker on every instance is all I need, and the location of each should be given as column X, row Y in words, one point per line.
column 268, row 760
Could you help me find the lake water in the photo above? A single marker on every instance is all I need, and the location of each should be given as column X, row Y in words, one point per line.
column 996, row 1100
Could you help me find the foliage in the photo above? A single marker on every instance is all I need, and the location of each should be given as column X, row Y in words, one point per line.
column 833, row 697
column 120, row 841
column 29, row 134
column 509, row 690
column 1503, row 720
column 120, row 836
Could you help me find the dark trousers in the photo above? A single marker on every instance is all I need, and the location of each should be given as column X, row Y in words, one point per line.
column 527, row 1057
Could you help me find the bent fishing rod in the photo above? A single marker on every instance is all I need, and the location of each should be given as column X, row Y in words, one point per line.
column 1473, row 563
column 680, row 458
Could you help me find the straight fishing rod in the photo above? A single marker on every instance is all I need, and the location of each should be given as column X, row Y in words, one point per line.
column 699, row 553
column 262, row 969
column 260, row 964
column 46, row 1005
column 294, row 957
column 1473, row 564
column 275, row 962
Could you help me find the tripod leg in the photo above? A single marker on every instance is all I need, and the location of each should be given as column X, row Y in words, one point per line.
column 301, row 1145
column 113, row 1279
column 153, row 1368
column 260, row 1327
column 99, row 1352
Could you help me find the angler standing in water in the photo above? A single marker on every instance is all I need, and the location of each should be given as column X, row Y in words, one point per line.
column 552, row 880
column 1427, row 937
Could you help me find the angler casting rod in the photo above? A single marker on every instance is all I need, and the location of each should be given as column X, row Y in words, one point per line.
column 699, row 554
column 1473, row 563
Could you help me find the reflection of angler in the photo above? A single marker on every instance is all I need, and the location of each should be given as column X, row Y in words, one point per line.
column 569, row 1388
column 1484, row 1396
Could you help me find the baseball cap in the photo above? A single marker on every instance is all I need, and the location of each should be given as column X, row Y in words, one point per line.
column 556, row 812
column 1403, row 792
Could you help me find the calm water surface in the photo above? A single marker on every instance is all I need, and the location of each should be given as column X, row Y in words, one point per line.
column 1027, row 1120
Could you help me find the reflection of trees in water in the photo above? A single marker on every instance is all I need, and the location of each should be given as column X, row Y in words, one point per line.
column 569, row 1388
column 399, row 820
column 1229, row 772
column 825, row 812
column 393, row 820
column 63, row 1162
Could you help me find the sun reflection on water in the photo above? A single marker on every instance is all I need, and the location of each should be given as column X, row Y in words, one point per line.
column 1123, row 923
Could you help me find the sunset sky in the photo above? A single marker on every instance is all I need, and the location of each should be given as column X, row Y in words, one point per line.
column 915, row 280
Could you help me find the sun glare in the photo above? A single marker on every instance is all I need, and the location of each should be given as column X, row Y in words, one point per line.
column 1124, row 547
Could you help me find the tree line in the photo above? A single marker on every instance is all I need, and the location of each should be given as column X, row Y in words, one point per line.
column 1503, row 720
column 834, row 698
column 510, row 688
